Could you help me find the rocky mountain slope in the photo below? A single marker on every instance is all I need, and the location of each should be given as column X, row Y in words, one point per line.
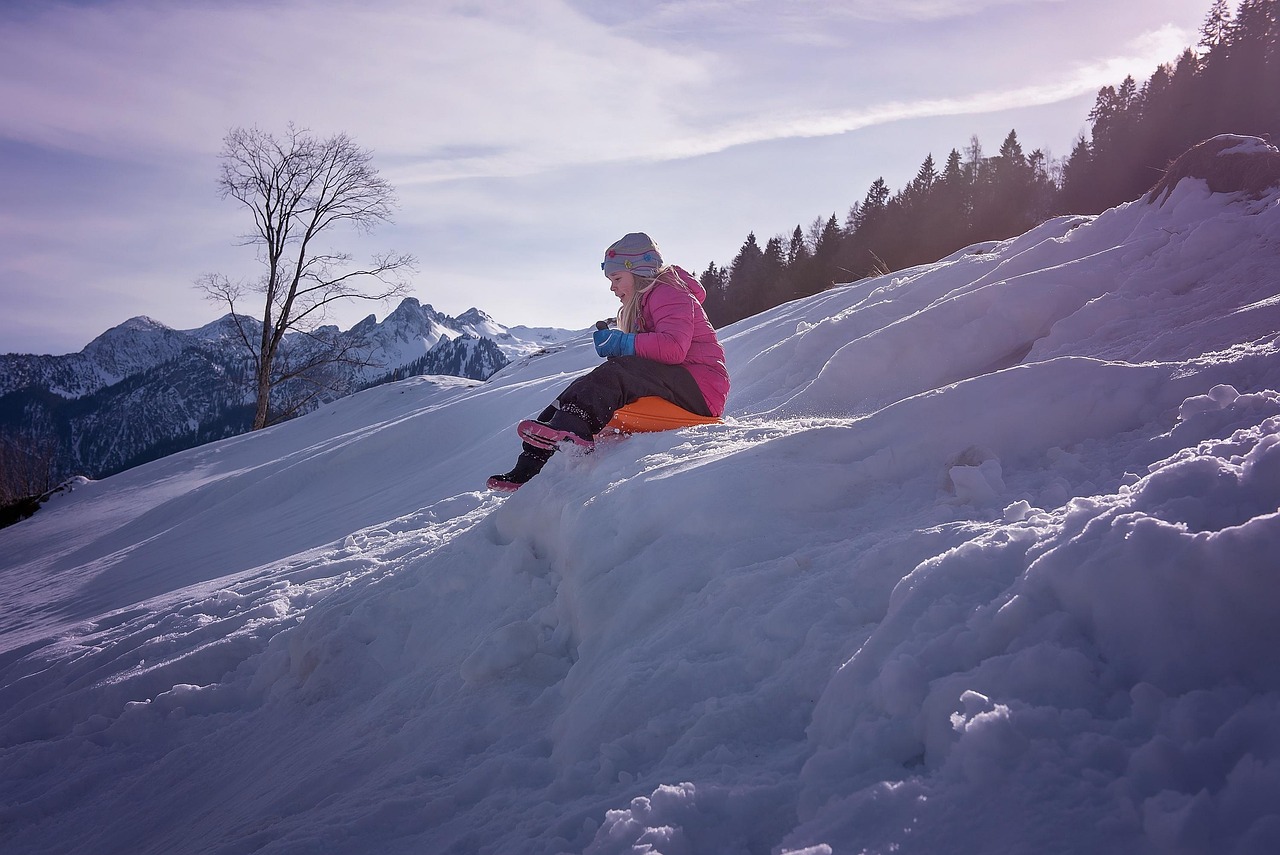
column 142, row 389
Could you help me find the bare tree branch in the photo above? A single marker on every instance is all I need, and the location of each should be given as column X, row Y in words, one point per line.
column 298, row 189
column 217, row 286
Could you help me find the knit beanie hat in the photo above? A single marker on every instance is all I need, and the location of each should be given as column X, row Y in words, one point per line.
column 635, row 252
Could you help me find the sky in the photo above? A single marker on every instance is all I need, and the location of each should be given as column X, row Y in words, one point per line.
column 1011, row 587
column 521, row 137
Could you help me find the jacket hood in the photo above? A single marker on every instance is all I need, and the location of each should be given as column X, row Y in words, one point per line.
column 681, row 278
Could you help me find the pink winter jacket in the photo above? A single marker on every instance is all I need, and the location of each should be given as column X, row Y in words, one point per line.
column 673, row 328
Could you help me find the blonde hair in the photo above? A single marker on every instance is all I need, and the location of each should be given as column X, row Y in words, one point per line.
column 629, row 314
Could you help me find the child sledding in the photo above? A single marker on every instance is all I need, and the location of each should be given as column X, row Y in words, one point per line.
column 663, row 347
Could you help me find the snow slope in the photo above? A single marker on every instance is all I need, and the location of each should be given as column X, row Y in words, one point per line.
column 982, row 560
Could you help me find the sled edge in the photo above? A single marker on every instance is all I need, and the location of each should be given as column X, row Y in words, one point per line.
column 652, row 414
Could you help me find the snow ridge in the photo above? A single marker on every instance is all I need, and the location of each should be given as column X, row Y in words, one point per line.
column 981, row 560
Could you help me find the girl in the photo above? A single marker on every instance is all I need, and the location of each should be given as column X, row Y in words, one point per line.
column 663, row 345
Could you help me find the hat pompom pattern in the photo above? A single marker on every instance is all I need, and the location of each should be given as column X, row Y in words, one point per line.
column 635, row 252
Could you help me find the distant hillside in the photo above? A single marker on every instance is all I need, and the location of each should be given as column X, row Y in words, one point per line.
column 142, row 390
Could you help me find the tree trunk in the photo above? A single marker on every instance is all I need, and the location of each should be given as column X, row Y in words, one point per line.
column 263, row 396
column 266, row 355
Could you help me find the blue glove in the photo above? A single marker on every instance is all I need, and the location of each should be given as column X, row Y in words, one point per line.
column 614, row 343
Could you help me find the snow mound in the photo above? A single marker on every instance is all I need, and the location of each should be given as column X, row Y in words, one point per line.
column 982, row 559
column 1227, row 163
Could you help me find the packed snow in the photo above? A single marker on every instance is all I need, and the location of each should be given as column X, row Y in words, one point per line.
column 982, row 559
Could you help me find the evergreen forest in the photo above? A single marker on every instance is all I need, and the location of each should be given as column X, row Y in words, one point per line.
column 1228, row 83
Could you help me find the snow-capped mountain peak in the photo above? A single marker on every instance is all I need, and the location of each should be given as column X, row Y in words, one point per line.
column 481, row 325
column 135, row 345
column 137, row 368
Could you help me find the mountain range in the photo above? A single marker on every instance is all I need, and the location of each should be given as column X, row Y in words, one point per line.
column 142, row 389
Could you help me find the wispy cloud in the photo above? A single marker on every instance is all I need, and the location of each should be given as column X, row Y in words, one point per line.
column 797, row 20
column 1144, row 55
column 487, row 115
column 142, row 75
column 486, row 89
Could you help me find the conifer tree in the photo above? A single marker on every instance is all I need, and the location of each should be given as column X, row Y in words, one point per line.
column 745, row 280
column 774, row 287
column 825, row 255
column 951, row 208
column 1214, row 29
column 858, row 251
column 1011, row 157
column 797, row 250
column 1126, row 95
column 715, row 281
column 923, row 183
column 851, row 218
column 873, row 204
column 1251, row 74
column 1077, row 179
column 951, row 173
column 1103, row 117
column 798, row 267
column 1184, row 127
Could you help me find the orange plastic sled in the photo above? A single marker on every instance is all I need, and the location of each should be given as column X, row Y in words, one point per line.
column 647, row 415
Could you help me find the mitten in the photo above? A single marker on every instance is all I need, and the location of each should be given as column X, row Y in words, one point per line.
column 614, row 343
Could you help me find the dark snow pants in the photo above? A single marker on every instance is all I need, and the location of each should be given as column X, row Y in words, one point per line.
column 588, row 403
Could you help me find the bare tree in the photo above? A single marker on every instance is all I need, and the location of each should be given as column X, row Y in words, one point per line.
column 298, row 188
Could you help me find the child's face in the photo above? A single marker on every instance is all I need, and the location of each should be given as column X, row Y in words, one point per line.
column 622, row 283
